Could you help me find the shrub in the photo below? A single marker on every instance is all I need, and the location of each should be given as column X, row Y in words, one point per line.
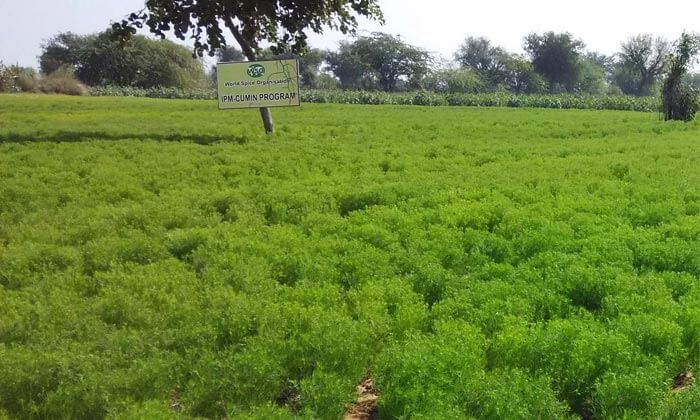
column 28, row 80
column 17, row 79
column 62, row 82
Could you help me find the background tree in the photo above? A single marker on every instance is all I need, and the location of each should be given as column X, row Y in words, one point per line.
column 450, row 80
column 141, row 62
column 489, row 62
column 381, row 58
column 228, row 54
column 350, row 69
column 497, row 68
column 64, row 49
column 282, row 23
column 641, row 62
column 680, row 101
column 521, row 76
column 591, row 77
column 310, row 67
column 605, row 62
column 556, row 56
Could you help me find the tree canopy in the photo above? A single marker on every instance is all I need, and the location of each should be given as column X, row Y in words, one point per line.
column 556, row 56
column 229, row 53
column 141, row 62
column 488, row 61
column 64, row 49
column 284, row 24
column 380, row 59
column 497, row 69
column 554, row 62
column 680, row 100
column 642, row 60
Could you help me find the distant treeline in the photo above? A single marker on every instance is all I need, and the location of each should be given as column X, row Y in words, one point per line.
column 552, row 63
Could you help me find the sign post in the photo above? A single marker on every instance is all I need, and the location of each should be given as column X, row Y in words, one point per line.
column 258, row 84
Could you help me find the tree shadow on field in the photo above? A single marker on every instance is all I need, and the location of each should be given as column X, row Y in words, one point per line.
column 78, row 136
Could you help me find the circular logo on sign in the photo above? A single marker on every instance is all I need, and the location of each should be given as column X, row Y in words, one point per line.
column 256, row 70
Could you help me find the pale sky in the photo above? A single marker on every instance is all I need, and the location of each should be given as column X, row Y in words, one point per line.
column 438, row 25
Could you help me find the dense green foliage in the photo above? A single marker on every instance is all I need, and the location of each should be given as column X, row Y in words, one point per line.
column 379, row 61
column 98, row 60
column 285, row 25
column 557, row 57
column 555, row 63
column 497, row 69
column 160, row 259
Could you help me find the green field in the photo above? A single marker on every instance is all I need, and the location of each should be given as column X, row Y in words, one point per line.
column 162, row 259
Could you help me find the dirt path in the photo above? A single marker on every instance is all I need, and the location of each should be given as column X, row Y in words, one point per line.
column 365, row 406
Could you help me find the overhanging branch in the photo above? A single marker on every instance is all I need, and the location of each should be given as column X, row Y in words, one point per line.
column 245, row 45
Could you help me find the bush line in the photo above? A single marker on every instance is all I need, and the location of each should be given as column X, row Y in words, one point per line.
column 558, row 101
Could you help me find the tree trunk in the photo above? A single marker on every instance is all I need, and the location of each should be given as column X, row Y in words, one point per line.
column 267, row 120
column 250, row 55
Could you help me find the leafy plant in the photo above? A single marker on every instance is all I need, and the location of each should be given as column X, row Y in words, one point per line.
column 680, row 101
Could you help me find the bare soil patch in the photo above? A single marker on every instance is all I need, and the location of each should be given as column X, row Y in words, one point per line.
column 365, row 406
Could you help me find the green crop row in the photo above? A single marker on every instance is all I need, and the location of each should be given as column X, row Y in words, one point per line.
column 155, row 92
column 425, row 98
column 558, row 101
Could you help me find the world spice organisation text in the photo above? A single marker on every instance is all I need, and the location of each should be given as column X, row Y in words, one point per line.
column 255, row 84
